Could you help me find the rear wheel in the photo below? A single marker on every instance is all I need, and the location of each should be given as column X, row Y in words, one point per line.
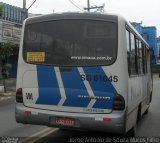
column 151, row 97
column 139, row 113
column 146, row 112
column 132, row 131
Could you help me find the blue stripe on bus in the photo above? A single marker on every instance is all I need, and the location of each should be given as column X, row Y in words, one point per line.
column 101, row 88
column 49, row 93
column 74, row 86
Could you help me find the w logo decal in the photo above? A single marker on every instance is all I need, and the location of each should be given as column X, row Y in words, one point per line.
column 29, row 96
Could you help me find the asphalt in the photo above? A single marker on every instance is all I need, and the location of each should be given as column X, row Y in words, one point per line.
column 8, row 125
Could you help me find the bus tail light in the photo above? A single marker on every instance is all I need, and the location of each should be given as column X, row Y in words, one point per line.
column 119, row 102
column 28, row 113
column 19, row 95
column 107, row 119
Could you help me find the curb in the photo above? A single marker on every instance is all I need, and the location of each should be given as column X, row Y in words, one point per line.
column 8, row 95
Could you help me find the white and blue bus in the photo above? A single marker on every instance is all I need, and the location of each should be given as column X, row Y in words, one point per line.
column 84, row 71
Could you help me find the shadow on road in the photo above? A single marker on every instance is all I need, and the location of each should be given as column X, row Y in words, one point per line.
column 64, row 136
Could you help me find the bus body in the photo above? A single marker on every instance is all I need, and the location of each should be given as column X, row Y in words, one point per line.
column 82, row 71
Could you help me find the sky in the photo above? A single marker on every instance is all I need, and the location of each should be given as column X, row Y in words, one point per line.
column 145, row 11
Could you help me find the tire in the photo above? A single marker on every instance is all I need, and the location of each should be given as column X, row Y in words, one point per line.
column 139, row 113
column 150, row 97
column 132, row 131
column 146, row 112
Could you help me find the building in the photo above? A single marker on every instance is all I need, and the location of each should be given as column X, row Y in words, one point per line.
column 158, row 50
column 12, row 13
column 10, row 31
column 138, row 27
column 11, row 18
column 10, row 23
column 149, row 33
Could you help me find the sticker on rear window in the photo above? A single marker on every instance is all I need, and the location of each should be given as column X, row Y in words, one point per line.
column 35, row 56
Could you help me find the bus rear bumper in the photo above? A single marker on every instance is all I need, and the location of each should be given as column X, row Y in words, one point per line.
column 112, row 123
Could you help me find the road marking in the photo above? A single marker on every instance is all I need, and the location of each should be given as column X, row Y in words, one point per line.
column 37, row 136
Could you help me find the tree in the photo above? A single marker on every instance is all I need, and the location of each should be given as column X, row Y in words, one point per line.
column 6, row 50
column 1, row 9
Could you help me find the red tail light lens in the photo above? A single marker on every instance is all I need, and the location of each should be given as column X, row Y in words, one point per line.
column 19, row 95
column 119, row 103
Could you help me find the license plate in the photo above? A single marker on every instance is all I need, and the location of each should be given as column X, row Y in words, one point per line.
column 65, row 121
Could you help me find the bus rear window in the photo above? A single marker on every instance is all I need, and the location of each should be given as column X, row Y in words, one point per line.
column 71, row 43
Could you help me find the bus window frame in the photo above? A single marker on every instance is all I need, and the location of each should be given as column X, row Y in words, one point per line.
column 45, row 64
column 144, row 56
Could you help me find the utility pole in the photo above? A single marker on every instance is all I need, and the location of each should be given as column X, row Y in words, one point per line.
column 98, row 8
column 25, row 10
column 88, row 5
column 24, row 4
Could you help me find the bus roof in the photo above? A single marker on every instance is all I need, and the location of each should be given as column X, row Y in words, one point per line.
column 57, row 16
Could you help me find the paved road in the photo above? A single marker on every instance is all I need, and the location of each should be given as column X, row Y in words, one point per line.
column 8, row 125
column 148, row 126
